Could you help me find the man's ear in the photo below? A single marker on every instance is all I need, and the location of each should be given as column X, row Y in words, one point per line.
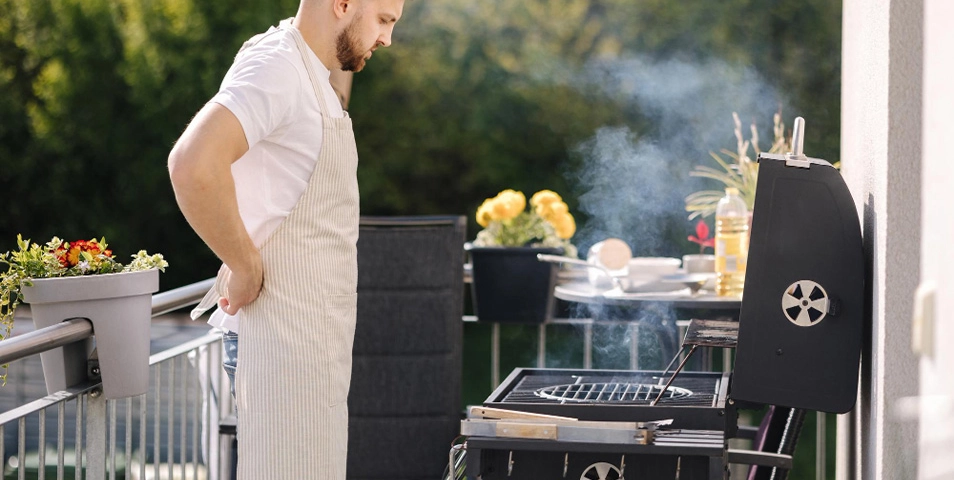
column 342, row 7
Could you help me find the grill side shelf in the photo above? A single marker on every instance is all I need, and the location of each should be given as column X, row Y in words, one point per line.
column 578, row 431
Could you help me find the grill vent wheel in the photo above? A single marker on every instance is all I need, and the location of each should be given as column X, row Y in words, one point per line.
column 805, row 303
column 602, row 471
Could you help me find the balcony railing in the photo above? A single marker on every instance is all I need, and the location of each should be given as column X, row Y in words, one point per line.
column 169, row 432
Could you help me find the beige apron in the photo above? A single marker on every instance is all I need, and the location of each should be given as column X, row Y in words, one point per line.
column 292, row 381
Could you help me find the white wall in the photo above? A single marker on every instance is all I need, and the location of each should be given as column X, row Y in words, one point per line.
column 937, row 242
column 881, row 153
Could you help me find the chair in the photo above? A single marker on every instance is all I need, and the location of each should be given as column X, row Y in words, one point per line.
column 405, row 400
column 773, row 444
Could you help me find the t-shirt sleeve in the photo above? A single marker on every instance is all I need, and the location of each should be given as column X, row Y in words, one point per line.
column 258, row 90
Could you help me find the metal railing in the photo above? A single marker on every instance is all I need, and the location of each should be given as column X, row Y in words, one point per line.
column 169, row 432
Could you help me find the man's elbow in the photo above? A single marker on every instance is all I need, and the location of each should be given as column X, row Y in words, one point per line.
column 182, row 172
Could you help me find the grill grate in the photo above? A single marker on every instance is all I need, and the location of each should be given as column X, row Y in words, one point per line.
column 608, row 392
column 631, row 388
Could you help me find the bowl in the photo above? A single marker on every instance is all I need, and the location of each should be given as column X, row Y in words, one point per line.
column 645, row 273
column 653, row 267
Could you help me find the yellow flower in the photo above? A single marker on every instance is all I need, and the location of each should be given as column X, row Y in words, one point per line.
column 508, row 204
column 552, row 210
column 544, row 197
column 564, row 224
column 485, row 213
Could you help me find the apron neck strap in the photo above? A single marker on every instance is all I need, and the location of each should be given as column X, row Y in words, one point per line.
column 303, row 49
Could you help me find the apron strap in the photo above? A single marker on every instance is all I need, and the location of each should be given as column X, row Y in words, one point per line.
column 261, row 36
column 211, row 298
column 302, row 48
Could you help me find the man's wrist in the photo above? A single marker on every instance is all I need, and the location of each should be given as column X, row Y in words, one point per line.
column 249, row 264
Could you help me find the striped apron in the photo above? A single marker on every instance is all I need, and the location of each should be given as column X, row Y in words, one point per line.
column 291, row 386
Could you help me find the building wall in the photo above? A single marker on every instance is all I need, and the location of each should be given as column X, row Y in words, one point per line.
column 881, row 155
column 937, row 244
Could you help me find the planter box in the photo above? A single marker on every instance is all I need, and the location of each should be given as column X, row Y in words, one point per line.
column 511, row 286
column 119, row 305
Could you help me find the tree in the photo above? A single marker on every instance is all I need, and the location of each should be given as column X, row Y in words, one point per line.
column 473, row 97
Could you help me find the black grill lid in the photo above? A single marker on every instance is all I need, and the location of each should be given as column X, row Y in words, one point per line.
column 803, row 308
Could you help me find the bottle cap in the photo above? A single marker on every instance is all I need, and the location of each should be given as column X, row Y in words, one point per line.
column 731, row 191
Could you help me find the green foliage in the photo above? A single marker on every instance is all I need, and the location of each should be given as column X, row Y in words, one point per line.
column 472, row 97
column 95, row 93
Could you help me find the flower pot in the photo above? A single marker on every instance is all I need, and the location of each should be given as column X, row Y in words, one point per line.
column 511, row 286
column 119, row 305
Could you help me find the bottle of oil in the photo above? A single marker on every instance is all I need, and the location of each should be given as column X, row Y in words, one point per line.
column 731, row 243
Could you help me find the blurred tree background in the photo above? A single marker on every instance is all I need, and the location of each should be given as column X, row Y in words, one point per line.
column 608, row 102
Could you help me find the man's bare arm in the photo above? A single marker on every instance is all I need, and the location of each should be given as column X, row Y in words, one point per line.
column 200, row 169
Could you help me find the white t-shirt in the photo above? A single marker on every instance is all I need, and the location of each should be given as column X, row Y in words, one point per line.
column 269, row 91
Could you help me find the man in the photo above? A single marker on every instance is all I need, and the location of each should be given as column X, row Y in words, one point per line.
column 265, row 174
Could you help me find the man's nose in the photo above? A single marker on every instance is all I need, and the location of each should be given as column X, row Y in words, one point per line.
column 385, row 39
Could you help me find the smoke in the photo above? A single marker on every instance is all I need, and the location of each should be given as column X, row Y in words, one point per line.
column 652, row 326
column 632, row 180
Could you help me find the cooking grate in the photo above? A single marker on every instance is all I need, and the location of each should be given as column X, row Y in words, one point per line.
column 608, row 392
column 632, row 388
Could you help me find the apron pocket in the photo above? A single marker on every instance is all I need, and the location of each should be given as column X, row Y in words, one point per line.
column 339, row 322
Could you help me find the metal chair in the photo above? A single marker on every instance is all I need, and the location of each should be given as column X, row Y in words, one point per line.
column 773, row 444
column 405, row 400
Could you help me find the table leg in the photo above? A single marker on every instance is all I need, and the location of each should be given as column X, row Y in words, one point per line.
column 542, row 346
column 588, row 345
column 633, row 347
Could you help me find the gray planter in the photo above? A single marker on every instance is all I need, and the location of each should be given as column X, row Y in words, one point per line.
column 119, row 305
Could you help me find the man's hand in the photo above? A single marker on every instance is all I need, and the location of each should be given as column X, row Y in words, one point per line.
column 241, row 287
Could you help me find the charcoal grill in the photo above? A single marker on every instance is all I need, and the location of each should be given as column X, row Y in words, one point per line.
column 798, row 344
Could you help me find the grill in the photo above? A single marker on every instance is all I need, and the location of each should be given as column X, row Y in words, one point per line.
column 798, row 344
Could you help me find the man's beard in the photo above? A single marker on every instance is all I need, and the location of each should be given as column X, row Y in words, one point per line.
column 348, row 52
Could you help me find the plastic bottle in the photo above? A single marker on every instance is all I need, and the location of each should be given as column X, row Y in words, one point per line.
column 731, row 243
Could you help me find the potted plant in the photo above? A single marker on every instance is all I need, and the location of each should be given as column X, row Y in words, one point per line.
column 82, row 279
column 509, row 284
column 740, row 171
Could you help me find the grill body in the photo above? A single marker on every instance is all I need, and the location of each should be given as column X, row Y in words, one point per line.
column 535, row 461
column 697, row 405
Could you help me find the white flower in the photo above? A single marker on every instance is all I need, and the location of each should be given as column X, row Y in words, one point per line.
column 83, row 266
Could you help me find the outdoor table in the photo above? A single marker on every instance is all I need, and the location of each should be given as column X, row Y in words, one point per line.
column 681, row 305
column 584, row 292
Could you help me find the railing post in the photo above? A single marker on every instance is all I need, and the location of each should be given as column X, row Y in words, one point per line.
column 96, row 435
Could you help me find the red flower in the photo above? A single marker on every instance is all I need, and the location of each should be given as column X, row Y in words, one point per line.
column 60, row 254
column 702, row 236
